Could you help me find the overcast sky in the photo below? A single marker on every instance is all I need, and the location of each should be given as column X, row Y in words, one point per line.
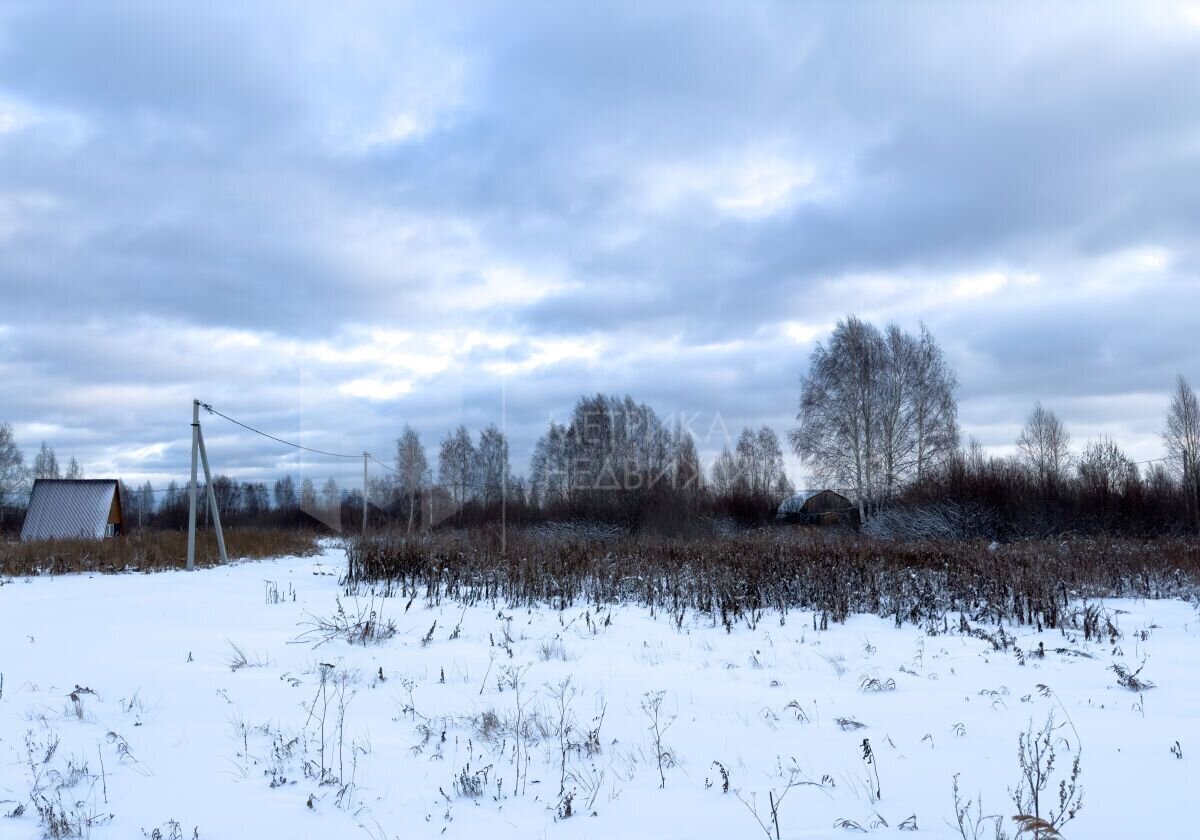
column 327, row 220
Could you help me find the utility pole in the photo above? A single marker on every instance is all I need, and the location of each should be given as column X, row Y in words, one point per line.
column 198, row 455
column 366, row 455
column 191, row 545
column 212, row 497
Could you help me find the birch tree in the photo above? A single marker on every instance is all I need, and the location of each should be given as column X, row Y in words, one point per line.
column 12, row 465
column 687, row 475
column 724, row 474
column 1044, row 445
column 1182, row 437
column 456, row 465
column 839, row 417
column 285, row 493
column 308, row 494
column 550, row 468
column 45, row 463
column 412, row 468
column 330, row 495
column 877, row 410
column 934, row 407
column 491, row 465
column 1104, row 470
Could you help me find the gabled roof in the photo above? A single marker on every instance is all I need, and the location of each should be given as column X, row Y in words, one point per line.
column 797, row 503
column 63, row 509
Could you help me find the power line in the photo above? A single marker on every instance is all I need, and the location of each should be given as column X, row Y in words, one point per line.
column 212, row 410
column 181, row 485
column 380, row 463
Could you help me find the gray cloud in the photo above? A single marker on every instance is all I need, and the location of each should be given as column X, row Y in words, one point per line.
column 263, row 207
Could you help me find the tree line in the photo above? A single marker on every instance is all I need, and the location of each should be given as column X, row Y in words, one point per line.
column 878, row 415
column 613, row 460
column 877, row 420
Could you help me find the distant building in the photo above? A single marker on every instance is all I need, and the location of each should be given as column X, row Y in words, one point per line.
column 72, row 509
column 823, row 507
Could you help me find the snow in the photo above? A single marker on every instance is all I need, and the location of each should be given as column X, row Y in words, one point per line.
column 172, row 732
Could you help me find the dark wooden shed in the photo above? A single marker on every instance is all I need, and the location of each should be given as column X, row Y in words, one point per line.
column 825, row 507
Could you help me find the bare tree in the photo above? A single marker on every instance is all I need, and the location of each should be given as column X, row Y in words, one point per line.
column 285, row 493
column 896, row 389
column 255, row 499
column 1045, row 446
column 491, row 465
column 330, row 496
column 1104, row 470
column 1106, row 475
column 877, row 410
column 308, row 494
column 934, row 407
column 12, row 466
column 74, row 471
column 145, row 500
column 770, row 472
column 725, row 473
column 1182, row 437
column 749, row 468
column 228, row 494
column 686, row 471
column 550, row 468
column 382, row 490
column 456, row 465
column 412, row 467
column 759, row 464
column 45, row 464
column 611, row 452
column 838, row 435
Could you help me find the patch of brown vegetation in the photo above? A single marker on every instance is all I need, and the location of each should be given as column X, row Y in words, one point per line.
column 147, row 550
column 738, row 577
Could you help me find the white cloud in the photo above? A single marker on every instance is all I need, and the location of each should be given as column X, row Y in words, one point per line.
column 507, row 285
column 418, row 354
column 36, row 431
column 23, row 211
column 400, row 100
column 421, row 263
column 63, row 127
column 1187, row 14
column 1152, row 259
column 375, row 388
column 763, row 186
column 802, row 333
column 14, row 117
column 989, row 283
column 548, row 352
column 150, row 452
column 751, row 185
column 397, row 128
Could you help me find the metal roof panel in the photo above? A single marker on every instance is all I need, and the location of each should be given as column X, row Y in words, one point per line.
column 63, row 509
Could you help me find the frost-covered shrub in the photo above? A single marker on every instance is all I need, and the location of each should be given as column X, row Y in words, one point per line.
column 933, row 521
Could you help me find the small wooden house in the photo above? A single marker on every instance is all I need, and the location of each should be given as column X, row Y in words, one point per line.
column 824, row 507
column 71, row 509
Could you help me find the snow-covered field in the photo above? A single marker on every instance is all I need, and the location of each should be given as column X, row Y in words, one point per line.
column 469, row 723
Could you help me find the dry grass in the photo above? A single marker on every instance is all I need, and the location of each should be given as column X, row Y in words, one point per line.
column 738, row 578
column 148, row 551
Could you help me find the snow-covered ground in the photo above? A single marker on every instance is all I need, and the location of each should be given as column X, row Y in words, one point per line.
column 133, row 676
